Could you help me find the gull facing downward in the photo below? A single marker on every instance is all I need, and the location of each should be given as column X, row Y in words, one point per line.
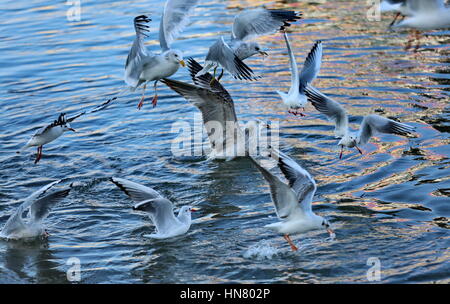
column 371, row 124
column 39, row 209
column 293, row 200
column 247, row 25
column 158, row 208
column 296, row 98
column 142, row 66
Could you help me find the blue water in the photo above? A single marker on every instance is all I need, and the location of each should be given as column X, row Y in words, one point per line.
column 390, row 204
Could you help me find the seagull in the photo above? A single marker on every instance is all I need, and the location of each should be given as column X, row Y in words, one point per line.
column 57, row 128
column 423, row 15
column 247, row 25
column 292, row 200
column 159, row 209
column 17, row 227
column 143, row 66
column 217, row 107
column 296, row 98
column 370, row 126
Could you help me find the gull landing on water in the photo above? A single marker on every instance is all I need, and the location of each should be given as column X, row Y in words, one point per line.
column 247, row 25
column 39, row 209
column 57, row 128
column 292, row 200
column 371, row 124
column 142, row 66
column 158, row 208
column 296, row 98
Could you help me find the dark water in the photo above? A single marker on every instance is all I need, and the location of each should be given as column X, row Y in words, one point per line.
column 390, row 204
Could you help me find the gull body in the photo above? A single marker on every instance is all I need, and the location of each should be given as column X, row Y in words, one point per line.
column 370, row 126
column 247, row 25
column 18, row 227
column 296, row 98
column 292, row 200
column 142, row 66
column 159, row 209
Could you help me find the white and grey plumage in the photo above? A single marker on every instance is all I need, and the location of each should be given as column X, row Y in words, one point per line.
column 57, row 128
column 247, row 25
column 425, row 15
column 218, row 113
column 158, row 208
column 143, row 66
column 293, row 199
column 296, row 98
column 370, row 126
column 18, row 227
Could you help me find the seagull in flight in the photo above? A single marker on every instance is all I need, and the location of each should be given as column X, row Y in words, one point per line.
column 158, row 208
column 370, row 126
column 57, row 128
column 143, row 66
column 296, row 98
column 19, row 227
column 247, row 25
column 292, row 199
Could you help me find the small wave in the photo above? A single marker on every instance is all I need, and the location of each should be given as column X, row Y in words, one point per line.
column 261, row 251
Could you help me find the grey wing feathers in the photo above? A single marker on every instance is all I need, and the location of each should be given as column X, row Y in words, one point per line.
column 96, row 109
column 283, row 197
column 299, row 179
column 373, row 124
column 312, row 65
column 220, row 52
column 135, row 191
column 330, row 108
column 174, row 19
column 138, row 52
column 40, row 209
column 260, row 21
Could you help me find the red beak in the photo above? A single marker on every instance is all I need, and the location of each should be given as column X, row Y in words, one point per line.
column 70, row 129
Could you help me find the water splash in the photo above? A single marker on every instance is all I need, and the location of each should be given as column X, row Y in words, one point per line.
column 261, row 251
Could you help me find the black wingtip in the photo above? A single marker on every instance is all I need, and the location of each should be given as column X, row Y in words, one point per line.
column 286, row 17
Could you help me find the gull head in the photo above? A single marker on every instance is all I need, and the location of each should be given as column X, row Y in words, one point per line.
column 254, row 48
column 349, row 141
column 248, row 49
column 327, row 226
column 185, row 213
column 175, row 56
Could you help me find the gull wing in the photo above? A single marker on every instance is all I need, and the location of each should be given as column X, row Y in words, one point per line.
column 135, row 191
column 260, row 21
column 41, row 208
column 373, row 124
column 311, row 67
column 174, row 19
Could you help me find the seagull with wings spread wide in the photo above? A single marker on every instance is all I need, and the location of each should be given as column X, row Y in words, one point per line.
column 143, row 66
column 292, row 200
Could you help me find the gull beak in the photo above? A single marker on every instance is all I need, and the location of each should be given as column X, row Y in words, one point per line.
column 359, row 150
column 194, row 209
column 331, row 232
column 183, row 64
column 70, row 129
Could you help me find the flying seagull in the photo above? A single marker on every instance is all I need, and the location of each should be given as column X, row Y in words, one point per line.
column 143, row 66
column 18, row 227
column 57, row 128
column 158, row 208
column 293, row 199
column 370, row 126
column 296, row 98
column 247, row 25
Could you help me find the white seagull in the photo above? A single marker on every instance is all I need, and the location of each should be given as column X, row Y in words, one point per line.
column 423, row 15
column 143, row 66
column 247, row 25
column 370, row 126
column 18, row 227
column 292, row 200
column 296, row 98
column 158, row 208
column 57, row 128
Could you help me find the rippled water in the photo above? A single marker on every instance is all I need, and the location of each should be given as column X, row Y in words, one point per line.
column 390, row 203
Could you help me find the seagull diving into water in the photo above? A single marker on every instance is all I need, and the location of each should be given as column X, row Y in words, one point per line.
column 370, row 126
column 143, row 66
column 57, row 128
column 247, row 25
column 296, row 98
column 18, row 227
column 292, row 200
column 158, row 208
